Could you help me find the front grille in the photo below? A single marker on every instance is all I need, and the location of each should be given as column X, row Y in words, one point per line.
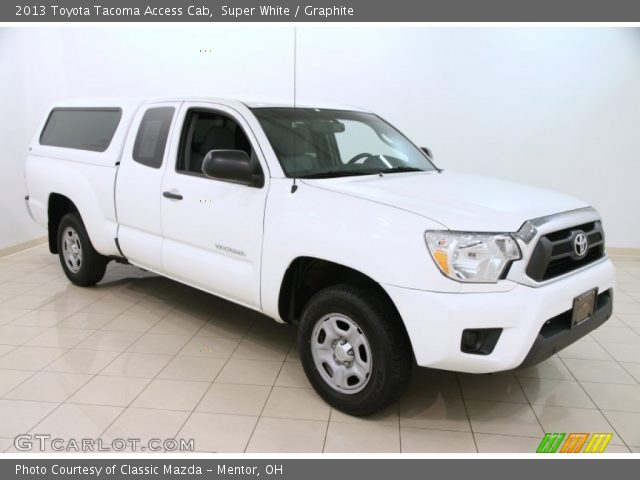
column 554, row 254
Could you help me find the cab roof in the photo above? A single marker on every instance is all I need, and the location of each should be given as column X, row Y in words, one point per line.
column 137, row 101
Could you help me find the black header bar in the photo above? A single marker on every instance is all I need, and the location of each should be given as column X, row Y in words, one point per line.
column 320, row 11
column 317, row 469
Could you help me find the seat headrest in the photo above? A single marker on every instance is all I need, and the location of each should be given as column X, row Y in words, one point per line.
column 218, row 138
column 290, row 147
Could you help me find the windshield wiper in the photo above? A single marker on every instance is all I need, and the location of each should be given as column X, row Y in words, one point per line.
column 339, row 173
column 352, row 173
column 400, row 169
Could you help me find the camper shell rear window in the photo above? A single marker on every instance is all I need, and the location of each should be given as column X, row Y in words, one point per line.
column 81, row 128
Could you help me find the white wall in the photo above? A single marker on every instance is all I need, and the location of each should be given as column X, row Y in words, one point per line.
column 15, row 224
column 558, row 108
column 555, row 107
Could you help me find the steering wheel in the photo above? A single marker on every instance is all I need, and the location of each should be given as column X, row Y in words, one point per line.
column 360, row 156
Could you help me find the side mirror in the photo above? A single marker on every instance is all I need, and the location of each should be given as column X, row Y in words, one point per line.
column 427, row 152
column 232, row 166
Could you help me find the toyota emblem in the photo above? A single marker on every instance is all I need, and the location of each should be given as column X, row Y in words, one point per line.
column 580, row 244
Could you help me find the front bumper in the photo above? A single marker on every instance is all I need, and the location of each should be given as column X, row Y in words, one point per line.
column 435, row 321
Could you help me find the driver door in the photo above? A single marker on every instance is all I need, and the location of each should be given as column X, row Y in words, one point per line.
column 213, row 228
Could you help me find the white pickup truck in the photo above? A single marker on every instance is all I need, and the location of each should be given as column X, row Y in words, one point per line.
column 327, row 218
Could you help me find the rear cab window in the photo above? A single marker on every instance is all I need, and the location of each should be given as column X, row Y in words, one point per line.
column 89, row 129
column 152, row 135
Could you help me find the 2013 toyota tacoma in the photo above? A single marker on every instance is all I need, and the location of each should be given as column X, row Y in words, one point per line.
column 327, row 218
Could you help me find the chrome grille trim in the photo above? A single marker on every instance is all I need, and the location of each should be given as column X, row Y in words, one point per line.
column 543, row 226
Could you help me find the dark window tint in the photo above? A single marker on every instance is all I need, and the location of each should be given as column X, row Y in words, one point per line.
column 151, row 139
column 205, row 131
column 81, row 128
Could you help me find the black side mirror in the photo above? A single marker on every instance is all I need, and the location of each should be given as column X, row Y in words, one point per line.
column 232, row 166
column 427, row 152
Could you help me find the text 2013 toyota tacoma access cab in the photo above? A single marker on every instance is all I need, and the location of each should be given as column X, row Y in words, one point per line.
column 329, row 218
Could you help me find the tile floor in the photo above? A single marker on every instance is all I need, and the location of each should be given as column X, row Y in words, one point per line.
column 141, row 356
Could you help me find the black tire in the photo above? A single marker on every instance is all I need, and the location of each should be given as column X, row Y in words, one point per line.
column 391, row 354
column 92, row 265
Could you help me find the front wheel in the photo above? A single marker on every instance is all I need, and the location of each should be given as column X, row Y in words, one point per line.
column 81, row 263
column 354, row 349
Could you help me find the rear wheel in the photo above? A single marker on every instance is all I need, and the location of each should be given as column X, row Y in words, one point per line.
column 354, row 349
column 81, row 263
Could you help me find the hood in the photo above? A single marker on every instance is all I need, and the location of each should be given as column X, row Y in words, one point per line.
column 457, row 201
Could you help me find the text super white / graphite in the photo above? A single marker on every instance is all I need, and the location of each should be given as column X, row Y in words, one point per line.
column 277, row 10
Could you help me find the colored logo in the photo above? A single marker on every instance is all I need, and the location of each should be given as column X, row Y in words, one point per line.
column 574, row 443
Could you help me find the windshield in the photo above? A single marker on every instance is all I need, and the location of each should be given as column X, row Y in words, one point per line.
column 318, row 143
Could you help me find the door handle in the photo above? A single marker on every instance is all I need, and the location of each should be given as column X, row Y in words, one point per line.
column 172, row 195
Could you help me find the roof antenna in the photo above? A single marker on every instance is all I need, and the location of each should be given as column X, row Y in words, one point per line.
column 294, row 187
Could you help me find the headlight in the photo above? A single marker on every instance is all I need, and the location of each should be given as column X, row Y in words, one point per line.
column 472, row 257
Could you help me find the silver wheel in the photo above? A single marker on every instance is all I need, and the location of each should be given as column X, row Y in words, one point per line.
column 71, row 249
column 341, row 353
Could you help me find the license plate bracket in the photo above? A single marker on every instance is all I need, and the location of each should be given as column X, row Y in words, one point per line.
column 583, row 307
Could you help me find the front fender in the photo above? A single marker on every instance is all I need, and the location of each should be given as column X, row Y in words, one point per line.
column 382, row 242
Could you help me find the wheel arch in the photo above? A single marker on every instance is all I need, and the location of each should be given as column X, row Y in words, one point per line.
column 58, row 206
column 307, row 275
